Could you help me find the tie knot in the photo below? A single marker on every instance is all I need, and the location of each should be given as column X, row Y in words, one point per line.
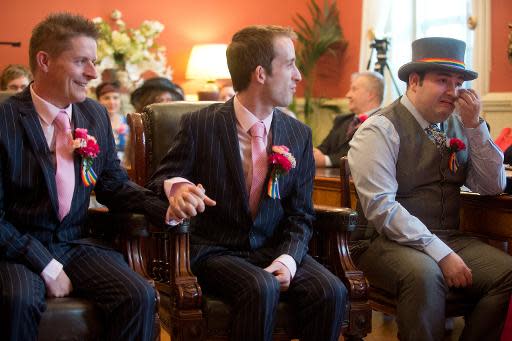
column 433, row 127
column 258, row 129
column 62, row 122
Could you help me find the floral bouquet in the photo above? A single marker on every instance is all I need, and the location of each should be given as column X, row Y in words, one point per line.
column 132, row 50
column 281, row 161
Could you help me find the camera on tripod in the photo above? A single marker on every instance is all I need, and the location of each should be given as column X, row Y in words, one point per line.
column 381, row 46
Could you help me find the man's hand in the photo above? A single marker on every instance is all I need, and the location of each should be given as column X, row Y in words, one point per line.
column 455, row 271
column 319, row 157
column 188, row 201
column 282, row 274
column 468, row 105
column 59, row 287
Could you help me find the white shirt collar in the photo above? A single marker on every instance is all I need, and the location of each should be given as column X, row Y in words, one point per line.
column 406, row 102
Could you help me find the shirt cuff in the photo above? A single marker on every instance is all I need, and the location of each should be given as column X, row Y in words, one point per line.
column 289, row 262
column 478, row 135
column 437, row 249
column 53, row 269
column 328, row 162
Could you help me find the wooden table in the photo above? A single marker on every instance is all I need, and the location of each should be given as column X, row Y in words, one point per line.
column 487, row 215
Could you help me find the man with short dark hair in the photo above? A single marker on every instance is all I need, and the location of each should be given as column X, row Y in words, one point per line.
column 408, row 163
column 250, row 244
column 45, row 188
column 364, row 99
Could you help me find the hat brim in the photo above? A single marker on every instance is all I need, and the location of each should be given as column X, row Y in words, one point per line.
column 139, row 92
column 407, row 69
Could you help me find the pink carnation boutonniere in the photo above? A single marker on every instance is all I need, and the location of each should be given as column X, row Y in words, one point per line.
column 454, row 146
column 281, row 161
column 87, row 147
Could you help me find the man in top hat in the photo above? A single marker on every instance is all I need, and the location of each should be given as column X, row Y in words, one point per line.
column 408, row 181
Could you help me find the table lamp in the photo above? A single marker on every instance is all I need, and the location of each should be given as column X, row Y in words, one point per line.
column 207, row 63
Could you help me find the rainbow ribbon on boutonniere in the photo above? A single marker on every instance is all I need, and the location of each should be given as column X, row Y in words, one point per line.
column 454, row 146
column 87, row 147
column 281, row 161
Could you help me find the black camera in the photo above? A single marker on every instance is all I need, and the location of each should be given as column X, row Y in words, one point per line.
column 381, row 46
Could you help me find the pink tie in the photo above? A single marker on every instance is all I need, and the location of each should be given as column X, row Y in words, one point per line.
column 259, row 165
column 65, row 176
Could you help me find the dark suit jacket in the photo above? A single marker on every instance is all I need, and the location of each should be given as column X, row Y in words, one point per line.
column 29, row 224
column 336, row 143
column 206, row 151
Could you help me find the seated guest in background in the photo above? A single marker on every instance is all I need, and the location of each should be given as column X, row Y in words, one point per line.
column 156, row 90
column 109, row 94
column 226, row 92
column 248, row 247
column 15, row 78
column 409, row 180
column 44, row 247
column 364, row 99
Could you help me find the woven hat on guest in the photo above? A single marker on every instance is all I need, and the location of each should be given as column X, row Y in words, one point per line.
column 437, row 53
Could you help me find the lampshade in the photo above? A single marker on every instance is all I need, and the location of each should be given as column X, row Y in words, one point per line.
column 208, row 62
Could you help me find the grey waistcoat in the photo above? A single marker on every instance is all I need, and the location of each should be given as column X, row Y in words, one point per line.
column 426, row 186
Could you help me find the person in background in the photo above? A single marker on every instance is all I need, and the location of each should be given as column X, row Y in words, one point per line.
column 45, row 247
column 156, row 90
column 408, row 163
column 249, row 246
column 15, row 78
column 226, row 92
column 109, row 94
column 364, row 99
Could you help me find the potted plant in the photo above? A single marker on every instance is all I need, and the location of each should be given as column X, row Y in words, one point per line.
column 322, row 35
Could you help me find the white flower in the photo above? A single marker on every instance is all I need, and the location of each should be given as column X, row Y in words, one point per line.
column 116, row 14
column 97, row 20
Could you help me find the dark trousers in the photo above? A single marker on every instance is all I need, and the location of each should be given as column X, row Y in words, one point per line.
column 417, row 281
column 102, row 275
column 318, row 296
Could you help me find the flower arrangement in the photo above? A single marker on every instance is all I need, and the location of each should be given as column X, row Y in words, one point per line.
column 133, row 50
column 454, row 146
column 281, row 161
column 87, row 147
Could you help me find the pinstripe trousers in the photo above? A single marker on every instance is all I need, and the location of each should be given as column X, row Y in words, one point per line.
column 318, row 296
column 125, row 297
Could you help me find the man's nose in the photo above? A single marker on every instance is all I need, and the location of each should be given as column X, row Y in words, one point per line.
column 90, row 71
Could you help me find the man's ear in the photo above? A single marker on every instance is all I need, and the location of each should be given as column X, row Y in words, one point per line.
column 43, row 60
column 414, row 80
column 260, row 74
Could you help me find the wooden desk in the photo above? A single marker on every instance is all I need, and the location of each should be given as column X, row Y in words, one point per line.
column 487, row 215
column 327, row 187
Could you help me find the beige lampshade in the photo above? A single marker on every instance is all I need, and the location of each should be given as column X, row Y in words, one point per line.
column 208, row 62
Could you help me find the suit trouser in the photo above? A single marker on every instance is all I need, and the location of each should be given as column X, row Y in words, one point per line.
column 417, row 281
column 100, row 274
column 318, row 296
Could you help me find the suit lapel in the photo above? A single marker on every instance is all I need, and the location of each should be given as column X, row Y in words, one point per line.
column 30, row 122
column 228, row 134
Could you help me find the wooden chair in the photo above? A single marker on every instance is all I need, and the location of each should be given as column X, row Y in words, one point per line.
column 185, row 310
column 73, row 318
column 379, row 299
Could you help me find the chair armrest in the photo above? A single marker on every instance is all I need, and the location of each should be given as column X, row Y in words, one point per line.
column 338, row 219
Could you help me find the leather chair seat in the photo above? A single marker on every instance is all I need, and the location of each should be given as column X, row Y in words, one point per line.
column 78, row 319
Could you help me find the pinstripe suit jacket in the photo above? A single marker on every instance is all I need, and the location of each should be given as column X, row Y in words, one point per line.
column 29, row 224
column 206, row 150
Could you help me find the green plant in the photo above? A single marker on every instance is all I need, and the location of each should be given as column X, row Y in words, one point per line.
column 316, row 38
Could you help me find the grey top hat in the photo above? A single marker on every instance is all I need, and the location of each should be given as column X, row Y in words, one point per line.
column 436, row 53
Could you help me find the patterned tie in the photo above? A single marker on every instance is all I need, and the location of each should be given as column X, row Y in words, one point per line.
column 436, row 135
column 65, row 176
column 259, row 165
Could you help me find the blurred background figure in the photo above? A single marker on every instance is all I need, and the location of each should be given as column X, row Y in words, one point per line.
column 15, row 78
column 226, row 92
column 109, row 94
column 156, row 90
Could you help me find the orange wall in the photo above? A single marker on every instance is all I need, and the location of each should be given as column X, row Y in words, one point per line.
column 186, row 23
column 501, row 68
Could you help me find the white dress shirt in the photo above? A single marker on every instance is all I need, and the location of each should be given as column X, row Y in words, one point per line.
column 372, row 158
